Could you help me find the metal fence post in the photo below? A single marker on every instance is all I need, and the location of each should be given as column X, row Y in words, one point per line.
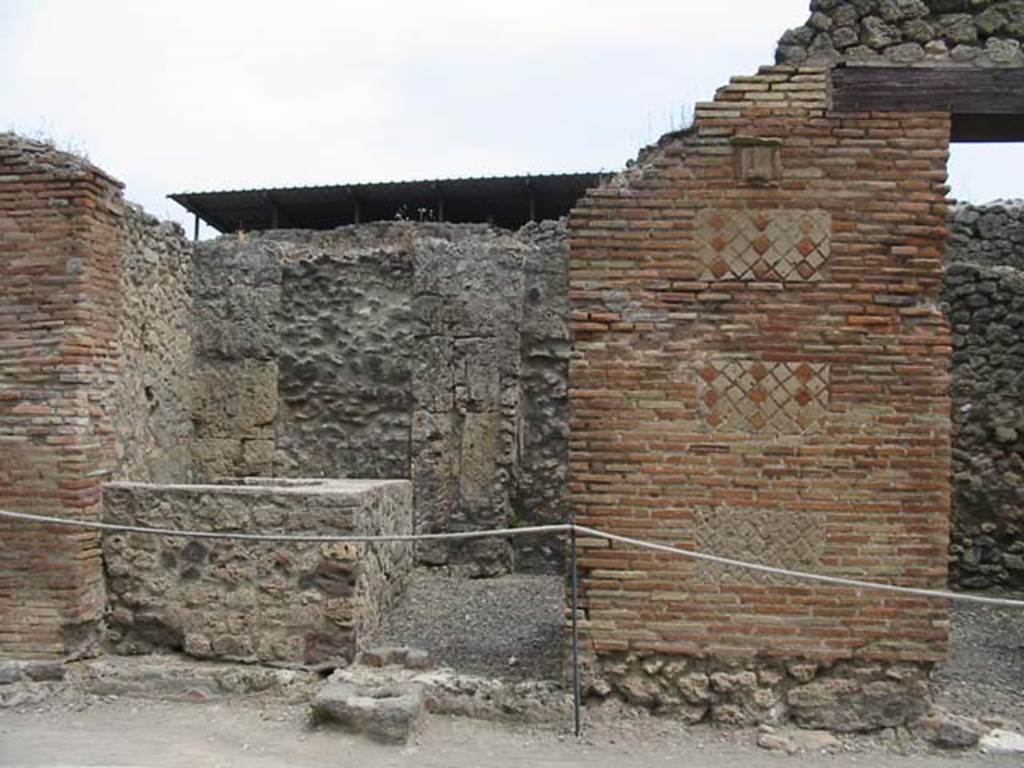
column 576, row 693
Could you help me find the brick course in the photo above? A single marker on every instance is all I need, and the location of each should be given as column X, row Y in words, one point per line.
column 60, row 221
column 839, row 409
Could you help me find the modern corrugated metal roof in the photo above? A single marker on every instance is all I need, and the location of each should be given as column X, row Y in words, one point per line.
column 506, row 201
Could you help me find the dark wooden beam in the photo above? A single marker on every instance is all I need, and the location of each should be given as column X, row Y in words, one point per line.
column 989, row 91
column 982, row 128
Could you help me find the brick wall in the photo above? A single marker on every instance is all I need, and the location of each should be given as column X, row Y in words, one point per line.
column 59, row 276
column 760, row 370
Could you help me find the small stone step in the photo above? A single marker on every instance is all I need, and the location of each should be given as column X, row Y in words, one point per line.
column 388, row 713
column 37, row 671
column 1000, row 742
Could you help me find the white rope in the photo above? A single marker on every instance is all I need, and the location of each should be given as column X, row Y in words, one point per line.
column 284, row 537
column 506, row 532
column 797, row 574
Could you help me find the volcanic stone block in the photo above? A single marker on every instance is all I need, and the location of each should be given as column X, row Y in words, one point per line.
column 385, row 713
column 292, row 603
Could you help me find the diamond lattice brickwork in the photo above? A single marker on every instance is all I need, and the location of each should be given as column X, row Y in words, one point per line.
column 752, row 396
column 794, row 540
column 763, row 244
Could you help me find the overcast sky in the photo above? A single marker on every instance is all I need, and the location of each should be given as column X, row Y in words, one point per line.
column 225, row 94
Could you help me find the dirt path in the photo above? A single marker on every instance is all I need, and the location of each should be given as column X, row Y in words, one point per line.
column 166, row 735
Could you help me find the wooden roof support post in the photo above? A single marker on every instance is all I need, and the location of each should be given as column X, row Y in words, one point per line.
column 439, row 204
column 279, row 217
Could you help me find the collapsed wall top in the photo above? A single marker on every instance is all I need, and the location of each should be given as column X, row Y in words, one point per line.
column 34, row 157
column 908, row 32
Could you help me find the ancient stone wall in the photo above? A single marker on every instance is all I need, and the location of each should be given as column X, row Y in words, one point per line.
column 236, row 295
column 915, row 32
column 760, row 368
column 989, row 235
column 431, row 351
column 984, row 298
column 307, row 604
column 347, row 336
column 60, row 220
column 540, row 492
column 154, row 393
column 467, row 299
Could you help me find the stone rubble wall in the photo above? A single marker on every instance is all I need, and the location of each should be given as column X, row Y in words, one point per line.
column 431, row 351
column 984, row 298
column 154, row 392
column 844, row 696
column 908, row 32
column 347, row 336
column 281, row 603
column 989, row 235
column 540, row 493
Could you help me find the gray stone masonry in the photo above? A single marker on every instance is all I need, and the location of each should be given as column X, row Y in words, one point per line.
column 154, row 386
column 433, row 351
column 287, row 603
column 984, row 299
column 845, row 696
column 986, row 33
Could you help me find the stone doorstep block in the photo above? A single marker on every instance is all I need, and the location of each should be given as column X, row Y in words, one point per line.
column 386, row 713
column 10, row 672
column 154, row 678
column 1000, row 742
column 36, row 671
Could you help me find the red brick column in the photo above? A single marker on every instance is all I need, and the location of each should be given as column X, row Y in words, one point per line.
column 760, row 370
column 59, row 292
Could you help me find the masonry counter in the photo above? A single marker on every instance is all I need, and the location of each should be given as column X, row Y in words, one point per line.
column 284, row 603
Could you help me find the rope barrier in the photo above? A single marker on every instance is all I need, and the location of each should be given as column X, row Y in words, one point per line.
column 525, row 531
column 838, row 580
column 284, row 537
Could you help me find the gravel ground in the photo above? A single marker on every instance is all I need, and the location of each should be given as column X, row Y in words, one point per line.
column 476, row 626
column 984, row 675
column 508, row 627
column 243, row 733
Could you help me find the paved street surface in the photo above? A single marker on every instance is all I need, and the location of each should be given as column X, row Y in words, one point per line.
column 166, row 735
